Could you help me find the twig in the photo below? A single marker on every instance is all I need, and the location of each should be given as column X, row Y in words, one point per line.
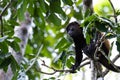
column 86, row 63
column 85, row 59
column 1, row 14
column 113, row 61
column 36, row 57
column 47, row 73
column 54, row 70
column 113, row 11
column 116, row 57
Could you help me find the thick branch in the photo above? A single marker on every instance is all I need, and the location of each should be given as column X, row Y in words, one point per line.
column 86, row 63
column 85, row 59
column 93, row 70
column 113, row 61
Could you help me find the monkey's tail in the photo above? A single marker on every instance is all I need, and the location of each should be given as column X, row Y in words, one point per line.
column 109, row 64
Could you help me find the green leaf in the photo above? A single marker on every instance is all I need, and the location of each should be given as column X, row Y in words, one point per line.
column 39, row 18
column 63, row 15
column 52, row 78
column 15, row 76
column 9, row 32
column 3, row 56
column 69, row 2
column 87, row 13
column 101, row 26
column 79, row 2
column 61, row 43
column 118, row 12
column 29, row 49
column 46, row 52
column 117, row 29
column 4, row 47
column 14, row 45
column 42, row 5
column 14, row 64
column 57, row 64
column 72, row 59
column 107, row 22
column 59, row 35
column 55, row 6
column 21, row 10
column 31, row 8
column 7, row 60
column 60, row 57
column 3, row 38
column 54, row 19
column 68, row 63
column 63, row 54
column 17, row 39
column 12, row 22
column 78, row 15
column 89, row 19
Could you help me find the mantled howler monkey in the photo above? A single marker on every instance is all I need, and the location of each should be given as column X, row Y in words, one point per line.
column 76, row 32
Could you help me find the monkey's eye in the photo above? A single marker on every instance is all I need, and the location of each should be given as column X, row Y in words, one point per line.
column 71, row 29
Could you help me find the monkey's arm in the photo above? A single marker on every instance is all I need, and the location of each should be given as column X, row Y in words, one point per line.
column 78, row 59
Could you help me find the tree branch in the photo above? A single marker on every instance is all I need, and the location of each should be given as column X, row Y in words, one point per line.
column 5, row 8
column 55, row 70
column 1, row 14
column 86, row 58
column 98, row 47
column 115, row 16
column 93, row 70
column 36, row 57
column 1, row 21
column 86, row 63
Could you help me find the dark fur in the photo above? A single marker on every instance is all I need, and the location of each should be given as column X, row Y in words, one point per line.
column 76, row 32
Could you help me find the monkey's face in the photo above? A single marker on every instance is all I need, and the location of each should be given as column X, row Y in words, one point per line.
column 73, row 29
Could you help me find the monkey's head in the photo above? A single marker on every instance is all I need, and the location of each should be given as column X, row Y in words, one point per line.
column 74, row 29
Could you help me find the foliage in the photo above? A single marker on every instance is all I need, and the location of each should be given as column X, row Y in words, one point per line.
column 50, row 18
column 103, row 9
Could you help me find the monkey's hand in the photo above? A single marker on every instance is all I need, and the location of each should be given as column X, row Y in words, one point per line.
column 78, row 59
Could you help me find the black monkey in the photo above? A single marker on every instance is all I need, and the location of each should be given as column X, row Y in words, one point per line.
column 76, row 32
